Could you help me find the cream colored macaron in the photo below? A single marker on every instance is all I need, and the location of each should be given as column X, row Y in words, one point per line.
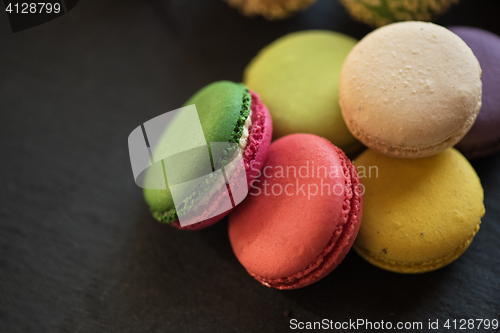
column 419, row 215
column 410, row 89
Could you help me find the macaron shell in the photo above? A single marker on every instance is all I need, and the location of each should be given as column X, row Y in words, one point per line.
column 297, row 77
column 484, row 138
column 289, row 238
column 420, row 214
column 410, row 89
column 220, row 105
column 416, row 267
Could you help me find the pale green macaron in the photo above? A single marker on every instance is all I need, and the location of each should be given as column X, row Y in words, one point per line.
column 297, row 77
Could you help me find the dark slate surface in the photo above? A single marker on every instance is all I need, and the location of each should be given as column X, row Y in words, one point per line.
column 79, row 251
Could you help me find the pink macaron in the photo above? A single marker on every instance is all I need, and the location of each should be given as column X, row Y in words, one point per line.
column 301, row 216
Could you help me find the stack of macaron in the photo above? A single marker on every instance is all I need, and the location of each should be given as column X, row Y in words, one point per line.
column 410, row 92
column 410, row 203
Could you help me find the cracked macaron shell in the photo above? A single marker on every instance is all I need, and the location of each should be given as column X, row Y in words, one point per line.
column 419, row 215
column 290, row 241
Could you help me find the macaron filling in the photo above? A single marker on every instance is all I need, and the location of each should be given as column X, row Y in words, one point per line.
column 339, row 243
column 230, row 168
column 246, row 132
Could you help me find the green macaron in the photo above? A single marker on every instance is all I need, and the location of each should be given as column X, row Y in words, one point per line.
column 223, row 107
column 297, row 77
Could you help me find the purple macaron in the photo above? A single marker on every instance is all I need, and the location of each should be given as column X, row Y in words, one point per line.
column 484, row 137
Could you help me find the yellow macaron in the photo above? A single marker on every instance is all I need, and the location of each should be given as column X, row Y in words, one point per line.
column 419, row 215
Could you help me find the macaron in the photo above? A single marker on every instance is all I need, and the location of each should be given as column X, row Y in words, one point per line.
column 301, row 216
column 297, row 77
column 419, row 215
column 484, row 137
column 270, row 9
column 410, row 89
column 379, row 13
column 230, row 115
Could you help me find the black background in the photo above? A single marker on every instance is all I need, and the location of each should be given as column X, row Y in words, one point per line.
column 79, row 251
